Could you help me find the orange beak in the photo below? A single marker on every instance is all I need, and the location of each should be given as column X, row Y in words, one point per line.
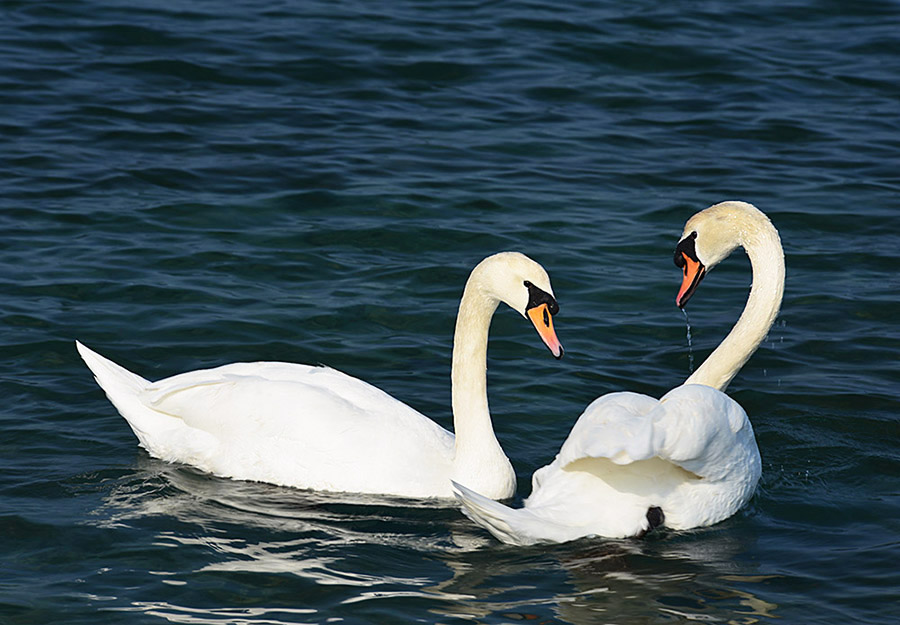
column 693, row 274
column 543, row 322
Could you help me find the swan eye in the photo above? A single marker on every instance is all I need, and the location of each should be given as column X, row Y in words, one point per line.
column 528, row 284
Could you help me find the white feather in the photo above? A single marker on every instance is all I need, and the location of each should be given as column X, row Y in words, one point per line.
column 317, row 428
column 692, row 454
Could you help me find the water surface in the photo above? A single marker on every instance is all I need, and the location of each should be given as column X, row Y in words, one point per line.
column 190, row 184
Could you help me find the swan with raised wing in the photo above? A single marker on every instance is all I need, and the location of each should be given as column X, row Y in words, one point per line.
column 631, row 462
column 317, row 428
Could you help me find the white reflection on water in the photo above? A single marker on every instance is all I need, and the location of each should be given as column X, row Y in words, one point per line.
column 389, row 553
column 217, row 616
column 290, row 556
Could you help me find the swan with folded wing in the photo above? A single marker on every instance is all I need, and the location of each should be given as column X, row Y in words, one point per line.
column 317, row 428
column 633, row 462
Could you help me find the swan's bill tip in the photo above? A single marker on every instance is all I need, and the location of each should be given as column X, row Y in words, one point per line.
column 542, row 320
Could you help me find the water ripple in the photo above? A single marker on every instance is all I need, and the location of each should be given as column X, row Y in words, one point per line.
column 192, row 185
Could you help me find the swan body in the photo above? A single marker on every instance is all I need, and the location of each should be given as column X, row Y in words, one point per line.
column 315, row 427
column 690, row 459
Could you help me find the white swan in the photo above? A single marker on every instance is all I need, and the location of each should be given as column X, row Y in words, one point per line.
column 632, row 462
column 314, row 427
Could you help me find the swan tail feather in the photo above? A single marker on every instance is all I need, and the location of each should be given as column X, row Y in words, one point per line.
column 508, row 525
column 126, row 392
column 112, row 378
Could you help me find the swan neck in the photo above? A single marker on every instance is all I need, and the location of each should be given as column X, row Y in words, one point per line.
column 471, row 415
column 763, row 246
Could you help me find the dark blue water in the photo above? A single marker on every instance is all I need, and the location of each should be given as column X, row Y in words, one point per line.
column 188, row 184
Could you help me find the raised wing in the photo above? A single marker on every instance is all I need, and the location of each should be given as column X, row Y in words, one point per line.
column 692, row 426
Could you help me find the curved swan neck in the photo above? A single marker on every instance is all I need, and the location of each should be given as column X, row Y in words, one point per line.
column 763, row 246
column 471, row 416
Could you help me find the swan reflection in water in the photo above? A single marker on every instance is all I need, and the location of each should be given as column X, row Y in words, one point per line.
column 335, row 555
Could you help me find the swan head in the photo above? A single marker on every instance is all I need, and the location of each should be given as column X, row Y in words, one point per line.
column 524, row 286
column 709, row 237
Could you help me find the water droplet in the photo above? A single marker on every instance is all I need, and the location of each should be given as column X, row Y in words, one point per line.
column 687, row 322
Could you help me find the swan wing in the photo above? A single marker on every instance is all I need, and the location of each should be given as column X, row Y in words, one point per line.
column 288, row 424
column 311, row 427
column 283, row 399
column 691, row 454
column 704, row 431
column 597, row 485
column 692, row 426
column 613, row 426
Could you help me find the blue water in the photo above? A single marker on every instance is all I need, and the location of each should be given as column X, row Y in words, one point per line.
column 189, row 184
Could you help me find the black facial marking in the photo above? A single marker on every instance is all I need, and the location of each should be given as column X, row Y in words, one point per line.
column 536, row 297
column 686, row 246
